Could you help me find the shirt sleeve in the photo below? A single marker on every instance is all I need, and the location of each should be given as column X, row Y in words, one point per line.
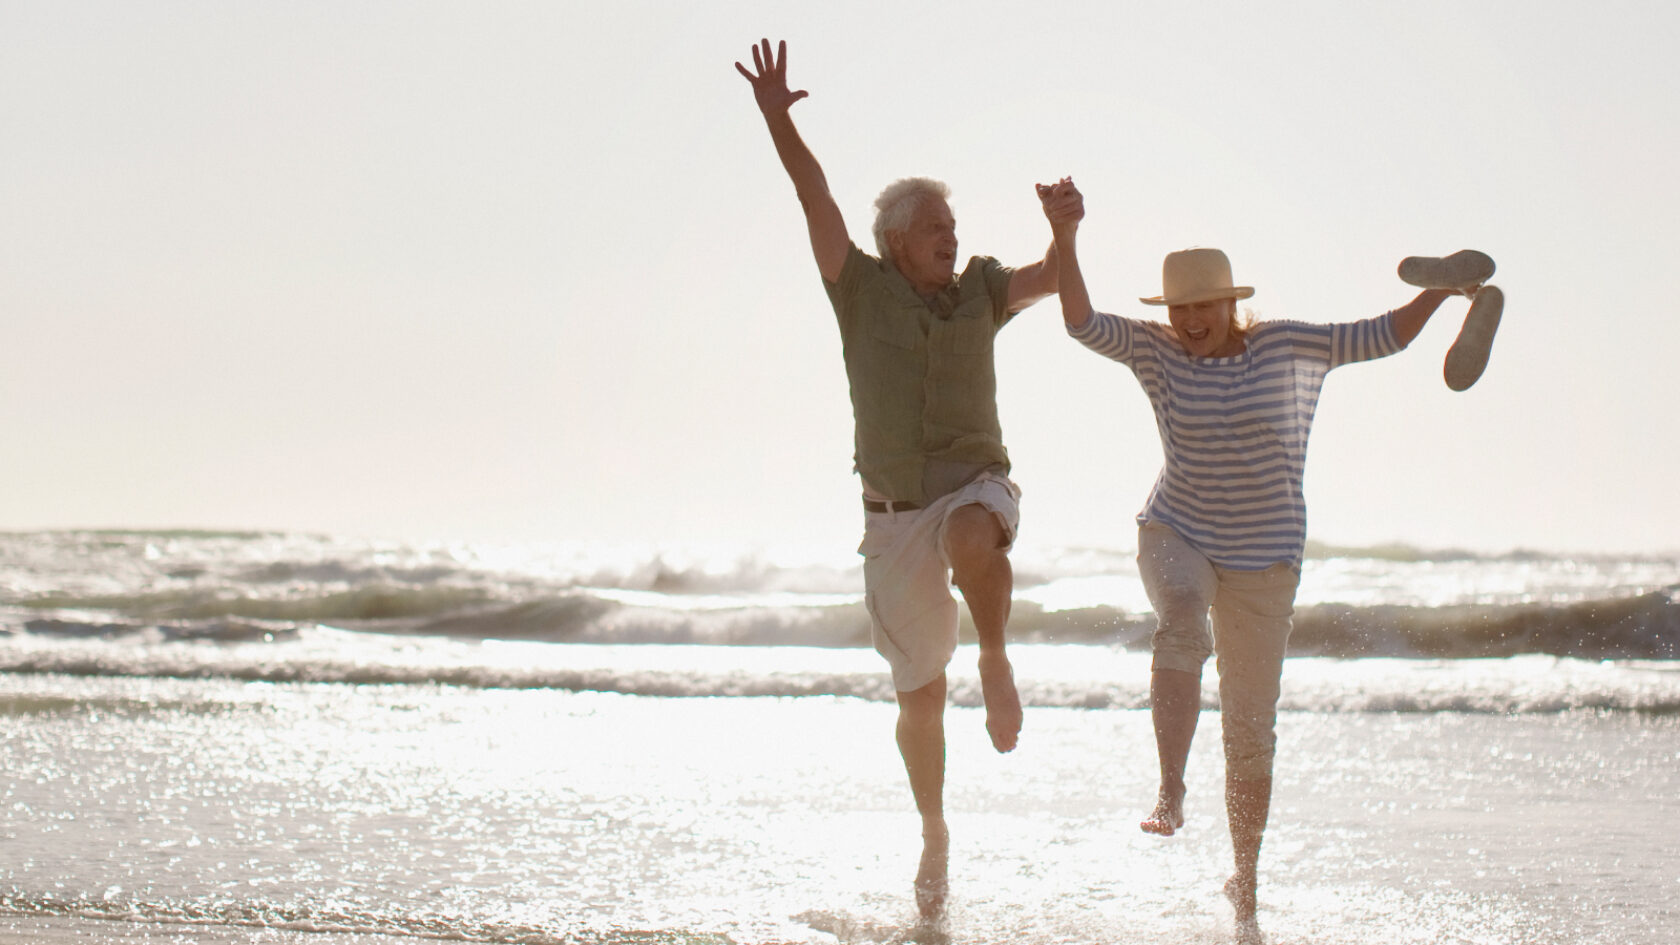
column 1108, row 335
column 855, row 272
column 997, row 277
column 1364, row 340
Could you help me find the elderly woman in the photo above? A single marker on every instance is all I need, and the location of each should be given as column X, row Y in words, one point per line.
column 1224, row 528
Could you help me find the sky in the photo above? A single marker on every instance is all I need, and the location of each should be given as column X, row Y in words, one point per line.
column 530, row 271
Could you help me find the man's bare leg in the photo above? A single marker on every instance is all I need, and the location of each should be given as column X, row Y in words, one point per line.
column 974, row 541
column 1247, row 806
column 1175, row 704
column 921, row 740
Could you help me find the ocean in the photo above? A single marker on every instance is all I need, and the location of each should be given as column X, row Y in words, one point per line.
column 286, row 738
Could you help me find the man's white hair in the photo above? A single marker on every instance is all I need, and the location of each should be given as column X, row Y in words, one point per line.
column 898, row 203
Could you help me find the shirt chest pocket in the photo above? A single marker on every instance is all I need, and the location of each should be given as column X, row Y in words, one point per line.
column 968, row 331
column 894, row 329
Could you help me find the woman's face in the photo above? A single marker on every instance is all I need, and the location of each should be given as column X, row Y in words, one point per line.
column 1206, row 329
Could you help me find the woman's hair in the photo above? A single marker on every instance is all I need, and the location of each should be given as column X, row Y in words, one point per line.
column 898, row 203
column 1242, row 324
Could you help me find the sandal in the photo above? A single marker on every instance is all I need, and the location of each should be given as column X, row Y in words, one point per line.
column 1461, row 270
column 1468, row 356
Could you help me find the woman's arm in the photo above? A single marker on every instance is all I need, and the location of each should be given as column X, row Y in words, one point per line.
column 1410, row 318
column 1064, row 207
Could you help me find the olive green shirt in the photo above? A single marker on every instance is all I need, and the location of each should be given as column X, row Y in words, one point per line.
column 924, row 392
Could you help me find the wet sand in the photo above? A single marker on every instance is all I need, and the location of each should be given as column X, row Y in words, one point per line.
column 62, row 930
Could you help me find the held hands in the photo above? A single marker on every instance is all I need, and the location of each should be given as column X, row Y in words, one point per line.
column 1064, row 205
column 770, row 84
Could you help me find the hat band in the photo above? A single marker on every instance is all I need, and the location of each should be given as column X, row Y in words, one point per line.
column 1206, row 295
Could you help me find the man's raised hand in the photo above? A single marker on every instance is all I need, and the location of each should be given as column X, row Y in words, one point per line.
column 1063, row 203
column 770, row 84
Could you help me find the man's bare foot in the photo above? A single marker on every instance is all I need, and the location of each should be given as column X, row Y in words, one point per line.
column 933, row 881
column 1003, row 703
column 1167, row 817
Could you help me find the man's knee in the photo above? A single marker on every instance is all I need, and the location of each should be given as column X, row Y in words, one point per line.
column 973, row 535
column 924, row 706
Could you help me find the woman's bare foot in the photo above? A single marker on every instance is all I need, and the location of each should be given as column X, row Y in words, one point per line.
column 1167, row 816
column 1242, row 894
column 1003, row 703
column 933, row 882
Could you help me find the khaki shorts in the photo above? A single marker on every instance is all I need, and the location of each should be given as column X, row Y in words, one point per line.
column 907, row 578
column 1252, row 617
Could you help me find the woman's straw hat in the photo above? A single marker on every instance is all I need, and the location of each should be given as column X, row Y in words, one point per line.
column 1197, row 275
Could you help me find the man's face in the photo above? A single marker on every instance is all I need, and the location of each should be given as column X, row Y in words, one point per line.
column 1204, row 328
column 925, row 252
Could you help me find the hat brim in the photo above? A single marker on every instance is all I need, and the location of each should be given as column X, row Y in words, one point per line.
column 1235, row 292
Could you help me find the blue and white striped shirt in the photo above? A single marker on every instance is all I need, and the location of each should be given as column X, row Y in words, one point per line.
column 1234, row 430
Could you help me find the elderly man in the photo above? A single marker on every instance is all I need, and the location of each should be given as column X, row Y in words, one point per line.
column 938, row 503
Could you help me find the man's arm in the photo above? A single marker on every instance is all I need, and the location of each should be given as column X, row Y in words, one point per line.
column 822, row 215
column 1032, row 283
